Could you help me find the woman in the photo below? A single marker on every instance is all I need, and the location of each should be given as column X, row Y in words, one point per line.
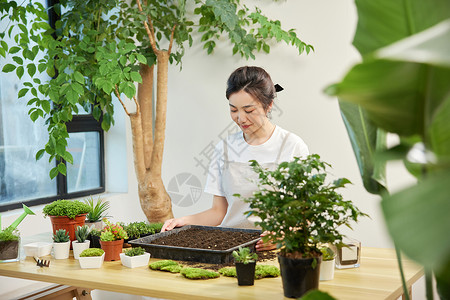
column 250, row 92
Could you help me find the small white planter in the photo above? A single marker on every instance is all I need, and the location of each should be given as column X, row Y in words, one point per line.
column 135, row 261
column 327, row 269
column 91, row 262
column 79, row 247
column 61, row 250
column 38, row 249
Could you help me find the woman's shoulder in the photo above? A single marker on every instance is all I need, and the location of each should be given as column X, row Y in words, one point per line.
column 293, row 141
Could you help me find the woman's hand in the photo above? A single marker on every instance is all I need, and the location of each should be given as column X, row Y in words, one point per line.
column 172, row 223
column 261, row 246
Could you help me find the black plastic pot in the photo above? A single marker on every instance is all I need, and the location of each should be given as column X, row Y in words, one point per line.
column 298, row 275
column 95, row 241
column 245, row 273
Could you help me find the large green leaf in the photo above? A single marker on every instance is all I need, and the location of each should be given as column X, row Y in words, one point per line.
column 418, row 220
column 365, row 138
column 383, row 22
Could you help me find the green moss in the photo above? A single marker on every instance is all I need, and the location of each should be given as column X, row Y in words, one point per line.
column 92, row 252
column 66, row 208
column 261, row 271
column 135, row 251
column 172, row 268
column 197, row 273
column 157, row 265
column 7, row 235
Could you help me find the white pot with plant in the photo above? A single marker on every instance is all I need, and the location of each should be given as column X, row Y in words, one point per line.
column 61, row 244
column 81, row 243
column 91, row 258
column 135, row 257
column 299, row 211
column 97, row 211
column 328, row 263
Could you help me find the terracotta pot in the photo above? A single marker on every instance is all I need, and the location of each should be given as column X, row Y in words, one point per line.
column 68, row 224
column 112, row 249
column 298, row 276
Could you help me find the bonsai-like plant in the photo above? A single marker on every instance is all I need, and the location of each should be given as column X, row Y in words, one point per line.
column 92, row 252
column 298, row 209
column 102, row 49
column 61, row 236
column 135, row 251
column 244, row 255
column 67, row 208
column 82, row 233
column 112, row 232
column 97, row 209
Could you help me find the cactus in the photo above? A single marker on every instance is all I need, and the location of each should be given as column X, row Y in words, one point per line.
column 82, row 232
column 61, row 236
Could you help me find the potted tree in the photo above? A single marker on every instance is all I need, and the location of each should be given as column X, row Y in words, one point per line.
column 91, row 258
column 135, row 257
column 245, row 262
column 66, row 214
column 299, row 211
column 10, row 238
column 81, row 243
column 111, row 240
column 328, row 263
column 61, row 244
column 97, row 211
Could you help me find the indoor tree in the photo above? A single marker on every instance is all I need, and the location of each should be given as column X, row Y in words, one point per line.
column 402, row 87
column 101, row 49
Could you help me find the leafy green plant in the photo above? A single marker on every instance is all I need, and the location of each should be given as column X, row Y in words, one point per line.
column 197, row 273
column 298, row 209
column 66, row 208
column 135, row 251
column 244, row 255
column 7, row 235
column 137, row 229
column 95, row 232
column 61, row 236
column 400, row 87
column 101, row 49
column 92, row 252
column 327, row 253
column 82, row 233
column 97, row 209
column 112, row 232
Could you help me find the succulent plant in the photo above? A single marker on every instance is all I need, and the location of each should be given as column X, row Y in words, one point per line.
column 134, row 251
column 107, row 236
column 82, row 233
column 243, row 255
column 61, row 236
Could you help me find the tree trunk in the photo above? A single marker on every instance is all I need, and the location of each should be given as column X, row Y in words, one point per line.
column 148, row 148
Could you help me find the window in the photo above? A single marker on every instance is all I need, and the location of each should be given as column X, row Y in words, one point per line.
column 25, row 180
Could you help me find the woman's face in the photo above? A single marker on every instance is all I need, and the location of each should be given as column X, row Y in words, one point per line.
column 247, row 112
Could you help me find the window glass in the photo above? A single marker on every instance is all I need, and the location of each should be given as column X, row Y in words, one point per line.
column 84, row 174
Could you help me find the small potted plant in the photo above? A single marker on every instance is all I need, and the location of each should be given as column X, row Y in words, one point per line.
column 299, row 211
column 91, row 258
column 245, row 262
column 137, row 230
column 61, row 244
column 94, row 237
column 135, row 257
column 81, row 243
column 328, row 263
column 10, row 237
column 66, row 214
column 111, row 240
column 97, row 211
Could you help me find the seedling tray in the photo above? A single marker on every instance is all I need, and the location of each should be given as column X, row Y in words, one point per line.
column 192, row 254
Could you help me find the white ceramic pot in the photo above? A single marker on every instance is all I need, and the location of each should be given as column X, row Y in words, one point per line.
column 79, row 247
column 327, row 269
column 135, row 261
column 61, row 250
column 91, row 262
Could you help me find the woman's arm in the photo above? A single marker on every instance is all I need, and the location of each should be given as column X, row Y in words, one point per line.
column 210, row 217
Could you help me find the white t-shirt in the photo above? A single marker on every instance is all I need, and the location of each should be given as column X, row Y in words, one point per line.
column 240, row 151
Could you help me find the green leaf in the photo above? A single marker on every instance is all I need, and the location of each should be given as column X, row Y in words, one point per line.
column 39, row 154
column 53, row 173
column 18, row 60
column 46, row 106
column 62, row 168
column 14, row 50
column 31, row 69
column 417, row 218
column 68, row 157
column 135, row 76
column 8, row 68
column 19, row 72
column 23, row 92
column 78, row 77
column 141, row 58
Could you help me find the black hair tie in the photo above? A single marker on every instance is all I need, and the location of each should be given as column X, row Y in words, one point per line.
column 278, row 88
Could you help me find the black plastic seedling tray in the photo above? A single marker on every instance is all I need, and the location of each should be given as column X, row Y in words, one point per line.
column 192, row 254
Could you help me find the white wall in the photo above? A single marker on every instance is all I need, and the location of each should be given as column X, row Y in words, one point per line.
column 198, row 114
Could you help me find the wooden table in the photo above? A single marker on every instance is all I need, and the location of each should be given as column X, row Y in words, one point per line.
column 377, row 278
